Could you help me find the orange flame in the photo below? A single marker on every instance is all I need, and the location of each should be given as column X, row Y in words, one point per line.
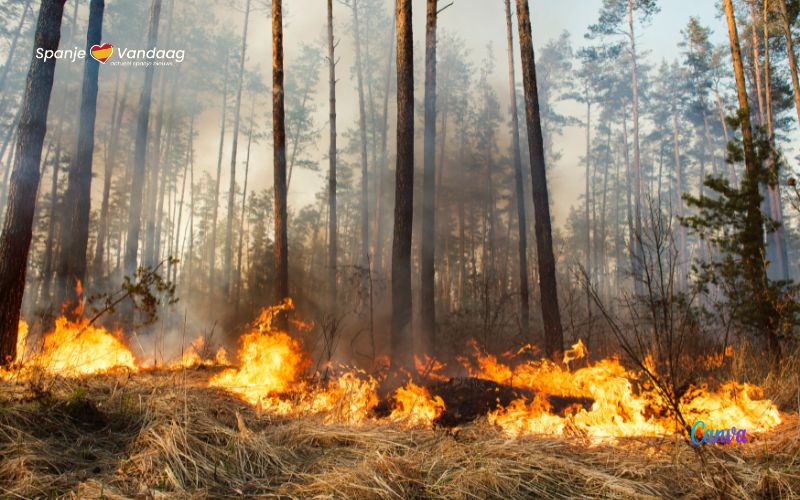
column 78, row 348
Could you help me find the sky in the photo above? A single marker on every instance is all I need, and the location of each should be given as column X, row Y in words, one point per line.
column 477, row 22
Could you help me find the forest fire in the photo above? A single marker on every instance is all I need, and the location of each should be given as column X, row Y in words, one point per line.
column 272, row 374
column 73, row 348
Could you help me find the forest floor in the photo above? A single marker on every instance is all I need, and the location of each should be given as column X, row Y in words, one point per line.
column 167, row 435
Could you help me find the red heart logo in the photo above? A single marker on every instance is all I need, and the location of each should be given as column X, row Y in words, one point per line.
column 102, row 52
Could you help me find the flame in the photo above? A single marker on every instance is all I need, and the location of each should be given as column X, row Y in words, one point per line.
column 22, row 341
column 78, row 348
column 578, row 351
column 196, row 355
column 430, row 368
column 619, row 409
column 414, row 406
column 611, row 401
column 269, row 363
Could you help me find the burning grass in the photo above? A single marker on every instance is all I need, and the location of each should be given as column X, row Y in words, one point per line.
column 165, row 433
column 82, row 417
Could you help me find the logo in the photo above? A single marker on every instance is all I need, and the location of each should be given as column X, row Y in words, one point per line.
column 102, row 53
column 721, row 436
column 117, row 56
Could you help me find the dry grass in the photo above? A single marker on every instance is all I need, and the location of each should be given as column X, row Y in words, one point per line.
column 157, row 435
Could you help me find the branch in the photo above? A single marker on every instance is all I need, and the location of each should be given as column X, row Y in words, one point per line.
column 443, row 8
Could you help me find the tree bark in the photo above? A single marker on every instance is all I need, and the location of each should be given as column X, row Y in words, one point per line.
column 787, row 34
column 551, row 316
column 244, row 209
column 756, row 61
column 401, row 340
column 71, row 270
column 587, row 200
column 384, row 165
column 777, row 237
column 189, row 145
column 637, row 163
column 332, row 231
column 111, row 155
column 279, row 161
column 140, row 156
column 753, row 252
column 428, row 239
column 18, row 223
column 362, row 126
column 682, row 250
column 212, row 251
column 227, row 255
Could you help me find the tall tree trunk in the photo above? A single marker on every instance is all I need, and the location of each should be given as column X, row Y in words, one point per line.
column 637, row 163
column 152, row 188
column 683, row 254
column 754, row 248
column 401, row 341
column 53, row 219
column 168, row 143
column 777, row 237
column 102, row 230
column 18, row 223
column 362, row 126
column 787, row 35
column 427, row 244
column 71, row 270
column 212, row 251
column 551, row 316
column 756, row 61
column 384, row 165
column 587, row 200
column 227, row 254
column 244, row 209
column 189, row 146
column 187, row 267
column 279, row 161
column 140, row 156
column 332, row 232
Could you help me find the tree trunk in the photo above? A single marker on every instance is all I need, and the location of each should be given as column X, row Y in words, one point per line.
column 401, row 340
column 279, row 161
column 551, row 316
column 159, row 216
column 787, row 34
column 71, row 270
column 227, row 254
column 753, row 251
column 384, row 165
column 682, row 249
column 637, row 163
column 18, row 223
column 212, row 253
column 52, row 222
column 777, row 237
column 189, row 145
column 140, row 155
column 111, row 155
column 756, row 61
column 332, row 231
column 244, row 209
column 587, row 200
column 428, row 239
column 362, row 126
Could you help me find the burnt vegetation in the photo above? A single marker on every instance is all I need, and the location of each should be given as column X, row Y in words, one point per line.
column 327, row 253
